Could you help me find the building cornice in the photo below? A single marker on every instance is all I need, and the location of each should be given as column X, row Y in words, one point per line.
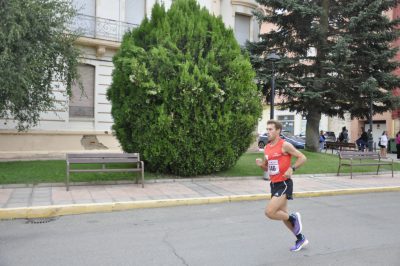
column 100, row 45
column 53, row 132
column 98, row 42
column 250, row 3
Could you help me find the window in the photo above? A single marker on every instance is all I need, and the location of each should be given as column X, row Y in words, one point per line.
column 287, row 122
column 85, row 7
column 134, row 11
column 167, row 3
column 81, row 104
column 85, row 21
column 242, row 28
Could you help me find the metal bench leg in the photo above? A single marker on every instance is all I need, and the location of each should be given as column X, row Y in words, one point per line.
column 351, row 170
column 392, row 168
column 136, row 176
column 142, row 165
column 67, row 180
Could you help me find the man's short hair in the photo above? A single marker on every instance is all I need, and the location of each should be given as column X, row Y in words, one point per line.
column 277, row 124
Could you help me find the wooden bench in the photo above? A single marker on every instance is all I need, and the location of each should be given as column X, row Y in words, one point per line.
column 355, row 158
column 104, row 158
column 340, row 146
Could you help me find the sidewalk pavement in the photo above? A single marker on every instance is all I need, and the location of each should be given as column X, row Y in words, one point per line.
column 48, row 200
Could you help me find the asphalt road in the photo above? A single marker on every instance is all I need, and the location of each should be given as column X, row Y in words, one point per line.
column 343, row 230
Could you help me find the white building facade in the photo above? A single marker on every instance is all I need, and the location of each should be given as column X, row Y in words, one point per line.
column 84, row 122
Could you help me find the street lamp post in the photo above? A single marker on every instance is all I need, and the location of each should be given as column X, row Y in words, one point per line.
column 273, row 57
column 371, row 113
column 372, row 84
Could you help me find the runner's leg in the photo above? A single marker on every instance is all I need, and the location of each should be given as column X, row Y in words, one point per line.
column 277, row 210
column 287, row 222
column 274, row 208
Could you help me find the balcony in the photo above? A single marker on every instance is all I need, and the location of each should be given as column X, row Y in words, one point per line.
column 100, row 28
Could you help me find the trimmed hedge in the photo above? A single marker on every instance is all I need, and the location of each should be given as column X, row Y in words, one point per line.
column 183, row 94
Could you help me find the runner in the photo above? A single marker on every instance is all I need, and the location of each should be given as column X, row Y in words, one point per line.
column 278, row 155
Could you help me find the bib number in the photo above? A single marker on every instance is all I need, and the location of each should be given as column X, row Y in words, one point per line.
column 273, row 167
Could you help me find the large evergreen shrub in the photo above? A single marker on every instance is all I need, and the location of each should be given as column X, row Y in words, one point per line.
column 183, row 94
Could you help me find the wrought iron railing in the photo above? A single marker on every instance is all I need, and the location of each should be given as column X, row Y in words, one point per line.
column 100, row 28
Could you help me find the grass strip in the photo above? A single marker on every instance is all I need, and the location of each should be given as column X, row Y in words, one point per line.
column 54, row 171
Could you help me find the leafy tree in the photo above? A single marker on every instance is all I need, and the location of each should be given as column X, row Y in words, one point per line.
column 183, row 93
column 363, row 58
column 34, row 51
column 333, row 50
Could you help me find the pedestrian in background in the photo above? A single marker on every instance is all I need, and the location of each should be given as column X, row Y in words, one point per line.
column 344, row 135
column 321, row 140
column 398, row 144
column 383, row 142
column 362, row 141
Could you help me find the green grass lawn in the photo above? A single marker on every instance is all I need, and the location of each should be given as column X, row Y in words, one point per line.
column 33, row 172
column 317, row 163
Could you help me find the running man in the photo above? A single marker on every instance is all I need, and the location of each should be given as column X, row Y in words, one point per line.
column 278, row 154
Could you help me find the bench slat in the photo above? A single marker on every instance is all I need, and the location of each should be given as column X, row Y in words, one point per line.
column 107, row 170
column 102, row 155
column 367, row 164
column 360, row 152
column 102, row 160
column 340, row 146
column 359, row 157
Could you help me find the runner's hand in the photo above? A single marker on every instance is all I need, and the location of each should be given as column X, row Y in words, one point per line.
column 259, row 162
column 289, row 173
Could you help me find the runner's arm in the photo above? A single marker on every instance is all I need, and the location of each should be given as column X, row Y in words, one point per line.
column 300, row 157
column 262, row 164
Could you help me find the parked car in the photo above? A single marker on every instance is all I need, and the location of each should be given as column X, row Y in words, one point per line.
column 262, row 140
column 297, row 142
column 330, row 136
column 302, row 135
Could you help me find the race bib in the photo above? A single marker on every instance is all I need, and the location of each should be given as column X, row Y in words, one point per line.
column 273, row 167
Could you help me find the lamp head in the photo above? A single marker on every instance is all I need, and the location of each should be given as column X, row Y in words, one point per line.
column 273, row 57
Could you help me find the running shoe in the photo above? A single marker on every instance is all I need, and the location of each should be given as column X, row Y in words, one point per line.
column 297, row 227
column 299, row 244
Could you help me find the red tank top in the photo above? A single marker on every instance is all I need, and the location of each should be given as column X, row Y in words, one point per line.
column 278, row 162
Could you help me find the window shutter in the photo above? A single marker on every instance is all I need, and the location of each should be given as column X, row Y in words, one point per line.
column 242, row 28
column 134, row 11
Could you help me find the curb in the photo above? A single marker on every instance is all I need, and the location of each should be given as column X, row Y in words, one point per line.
column 61, row 210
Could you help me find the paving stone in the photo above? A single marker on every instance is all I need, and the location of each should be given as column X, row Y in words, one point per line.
column 19, row 200
column 82, row 201
column 41, row 203
column 63, row 202
column 16, row 205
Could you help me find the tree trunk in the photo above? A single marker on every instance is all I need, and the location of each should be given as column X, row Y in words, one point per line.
column 312, row 131
column 314, row 116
